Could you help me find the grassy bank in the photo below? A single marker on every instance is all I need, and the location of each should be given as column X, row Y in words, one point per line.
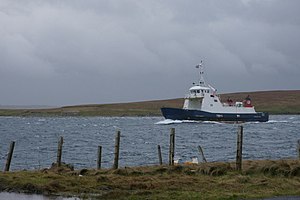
column 274, row 102
column 204, row 181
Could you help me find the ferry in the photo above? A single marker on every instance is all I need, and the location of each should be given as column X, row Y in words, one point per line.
column 203, row 104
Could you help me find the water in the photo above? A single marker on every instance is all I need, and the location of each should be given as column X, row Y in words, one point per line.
column 36, row 140
column 20, row 196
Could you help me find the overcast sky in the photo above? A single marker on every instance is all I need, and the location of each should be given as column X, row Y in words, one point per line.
column 66, row 52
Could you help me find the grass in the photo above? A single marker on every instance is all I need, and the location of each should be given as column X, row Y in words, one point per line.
column 204, row 181
column 274, row 102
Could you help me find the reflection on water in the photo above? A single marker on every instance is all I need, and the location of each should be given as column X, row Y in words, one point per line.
column 18, row 196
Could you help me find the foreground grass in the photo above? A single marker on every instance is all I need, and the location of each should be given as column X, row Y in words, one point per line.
column 204, row 181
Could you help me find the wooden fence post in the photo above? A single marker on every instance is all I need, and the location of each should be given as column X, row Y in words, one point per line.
column 9, row 156
column 159, row 154
column 59, row 151
column 201, row 153
column 299, row 149
column 239, row 153
column 99, row 157
column 117, row 148
column 172, row 147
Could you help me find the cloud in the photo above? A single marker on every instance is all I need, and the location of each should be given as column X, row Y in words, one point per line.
column 74, row 51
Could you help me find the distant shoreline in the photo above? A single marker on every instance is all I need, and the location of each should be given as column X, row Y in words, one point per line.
column 286, row 102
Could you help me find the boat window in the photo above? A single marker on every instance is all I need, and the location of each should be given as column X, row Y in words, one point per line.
column 215, row 100
column 198, row 91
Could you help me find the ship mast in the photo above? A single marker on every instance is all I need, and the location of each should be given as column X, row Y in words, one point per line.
column 201, row 73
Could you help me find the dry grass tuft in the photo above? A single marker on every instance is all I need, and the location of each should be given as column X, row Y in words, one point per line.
column 64, row 168
column 215, row 169
column 204, row 181
column 287, row 168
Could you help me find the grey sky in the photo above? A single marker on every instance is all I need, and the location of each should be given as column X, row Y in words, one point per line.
column 65, row 52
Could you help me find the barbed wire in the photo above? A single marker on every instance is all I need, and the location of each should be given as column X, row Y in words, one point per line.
column 42, row 156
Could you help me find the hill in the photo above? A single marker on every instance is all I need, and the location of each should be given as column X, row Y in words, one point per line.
column 274, row 102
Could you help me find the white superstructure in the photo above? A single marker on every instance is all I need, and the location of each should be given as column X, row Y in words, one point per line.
column 203, row 97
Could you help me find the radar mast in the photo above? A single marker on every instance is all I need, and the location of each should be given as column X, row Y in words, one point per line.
column 201, row 73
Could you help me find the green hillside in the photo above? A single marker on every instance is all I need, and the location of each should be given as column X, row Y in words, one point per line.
column 274, row 102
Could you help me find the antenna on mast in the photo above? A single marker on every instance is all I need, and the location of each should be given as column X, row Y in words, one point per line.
column 201, row 72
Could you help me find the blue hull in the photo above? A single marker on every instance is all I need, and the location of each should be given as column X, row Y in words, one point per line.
column 198, row 115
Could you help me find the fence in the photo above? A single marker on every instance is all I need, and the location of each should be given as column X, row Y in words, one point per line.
column 239, row 149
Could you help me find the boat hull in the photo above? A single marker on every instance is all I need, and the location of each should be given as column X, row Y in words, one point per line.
column 198, row 115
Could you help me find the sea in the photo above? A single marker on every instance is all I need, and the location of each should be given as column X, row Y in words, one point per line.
column 36, row 140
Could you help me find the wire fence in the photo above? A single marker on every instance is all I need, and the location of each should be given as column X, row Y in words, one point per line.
column 37, row 148
column 35, row 157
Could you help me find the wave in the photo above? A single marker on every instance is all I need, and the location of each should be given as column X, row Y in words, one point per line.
column 254, row 122
column 170, row 121
column 213, row 122
column 277, row 121
column 269, row 122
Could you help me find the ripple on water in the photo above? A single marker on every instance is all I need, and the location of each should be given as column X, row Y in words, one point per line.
column 36, row 144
